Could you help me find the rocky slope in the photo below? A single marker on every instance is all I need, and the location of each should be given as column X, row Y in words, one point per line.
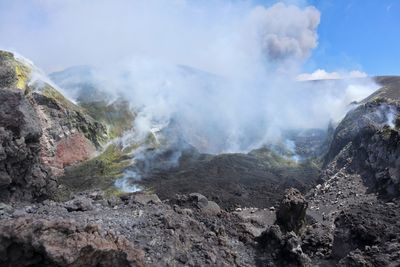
column 256, row 179
column 356, row 203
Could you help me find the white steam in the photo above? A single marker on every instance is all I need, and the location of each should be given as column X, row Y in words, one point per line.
column 222, row 72
column 386, row 115
column 391, row 117
column 226, row 114
column 126, row 183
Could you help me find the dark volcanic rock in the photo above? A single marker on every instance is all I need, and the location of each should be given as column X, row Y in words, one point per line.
column 356, row 206
column 281, row 249
column 47, row 234
column 375, row 155
column 29, row 242
column 257, row 179
column 292, row 211
column 378, row 160
column 367, row 142
column 279, row 244
column 22, row 175
column 368, row 235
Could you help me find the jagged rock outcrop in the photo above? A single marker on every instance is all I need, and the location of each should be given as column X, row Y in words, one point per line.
column 22, row 176
column 280, row 244
column 292, row 211
column 377, row 158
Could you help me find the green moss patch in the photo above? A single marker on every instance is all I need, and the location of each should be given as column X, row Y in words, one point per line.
column 98, row 172
column 5, row 55
column 117, row 115
column 53, row 94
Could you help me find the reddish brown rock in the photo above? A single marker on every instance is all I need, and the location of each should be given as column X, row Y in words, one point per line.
column 73, row 149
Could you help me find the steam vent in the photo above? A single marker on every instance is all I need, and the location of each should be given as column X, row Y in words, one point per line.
column 199, row 133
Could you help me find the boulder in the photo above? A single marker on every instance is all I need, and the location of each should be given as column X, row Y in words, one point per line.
column 200, row 200
column 211, row 208
column 204, row 205
column 79, row 204
column 146, row 198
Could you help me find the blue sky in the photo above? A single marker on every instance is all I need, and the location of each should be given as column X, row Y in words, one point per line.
column 358, row 34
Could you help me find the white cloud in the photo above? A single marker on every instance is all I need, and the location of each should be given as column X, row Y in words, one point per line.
column 357, row 74
column 321, row 74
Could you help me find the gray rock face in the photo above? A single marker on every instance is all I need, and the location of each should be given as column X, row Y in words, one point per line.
column 21, row 174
